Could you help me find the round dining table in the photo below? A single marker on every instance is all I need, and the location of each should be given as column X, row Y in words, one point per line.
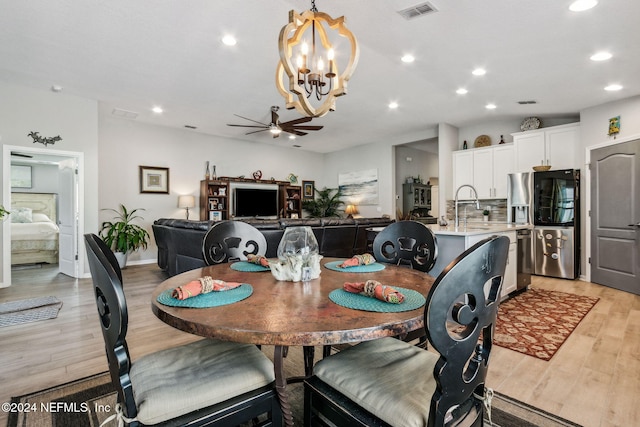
column 283, row 314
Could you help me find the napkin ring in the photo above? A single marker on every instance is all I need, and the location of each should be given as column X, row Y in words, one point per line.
column 207, row 284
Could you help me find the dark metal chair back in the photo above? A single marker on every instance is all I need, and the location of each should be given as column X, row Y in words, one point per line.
column 406, row 242
column 112, row 310
column 460, row 317
column 232, row 241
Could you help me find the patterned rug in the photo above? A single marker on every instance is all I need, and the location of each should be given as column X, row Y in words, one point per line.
column 29, row 310
column 537, row 322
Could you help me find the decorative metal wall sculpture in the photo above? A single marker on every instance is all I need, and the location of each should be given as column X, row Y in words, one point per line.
column 43, row 139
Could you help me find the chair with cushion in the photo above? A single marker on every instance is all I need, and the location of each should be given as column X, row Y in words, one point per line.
column 232, row 241
column 388, row 382
column 210, row 382
column 406, row 242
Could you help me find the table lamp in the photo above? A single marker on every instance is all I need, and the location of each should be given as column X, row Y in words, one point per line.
column 351, row 210
column 186, row 202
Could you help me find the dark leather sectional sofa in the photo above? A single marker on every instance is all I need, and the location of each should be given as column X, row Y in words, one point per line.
column 179, row 241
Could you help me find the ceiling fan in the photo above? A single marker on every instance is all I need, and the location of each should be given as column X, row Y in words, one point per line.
column 275, row 127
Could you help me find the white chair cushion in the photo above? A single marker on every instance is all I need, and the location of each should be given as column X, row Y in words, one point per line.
column 182, row 379
column 388, row 377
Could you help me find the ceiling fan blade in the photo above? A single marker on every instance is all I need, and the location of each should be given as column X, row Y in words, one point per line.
column 256, row 131
column 251, row 120
column 307, row 127
column 296, row 121
column 248, row 126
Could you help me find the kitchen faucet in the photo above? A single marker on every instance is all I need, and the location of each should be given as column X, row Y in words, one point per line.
column 456, row 201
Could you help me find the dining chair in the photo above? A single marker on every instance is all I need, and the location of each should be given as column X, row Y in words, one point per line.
column 209, row 381
column 232, row 241
column 406, row 242
column 389, row 382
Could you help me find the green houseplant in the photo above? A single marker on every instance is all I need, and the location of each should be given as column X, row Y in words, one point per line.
column 3, row 212
column 121, row 235
column 325, row 204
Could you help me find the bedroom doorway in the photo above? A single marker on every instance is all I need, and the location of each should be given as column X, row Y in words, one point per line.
column 64, row 180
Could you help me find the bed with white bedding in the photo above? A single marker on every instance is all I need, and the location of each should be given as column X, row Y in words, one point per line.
column 34, row 232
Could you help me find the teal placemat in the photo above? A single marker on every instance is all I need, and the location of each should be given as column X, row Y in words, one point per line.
column 376, row 266
column 247, row 266
column 211, row 299
column 412, row 300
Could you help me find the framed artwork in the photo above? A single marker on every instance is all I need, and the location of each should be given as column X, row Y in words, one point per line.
column 20, row 176
column 614, row 125
column 154, row 180
column 359, row 187
column 308, row 190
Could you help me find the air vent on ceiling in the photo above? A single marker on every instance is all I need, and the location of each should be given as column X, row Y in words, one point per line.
column 124, row 113
column 417, row 10
column 527, row 102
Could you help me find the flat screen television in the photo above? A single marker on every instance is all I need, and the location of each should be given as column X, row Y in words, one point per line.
column 255, row 202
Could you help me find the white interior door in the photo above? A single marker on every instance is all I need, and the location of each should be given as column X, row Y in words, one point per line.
column 68, row 217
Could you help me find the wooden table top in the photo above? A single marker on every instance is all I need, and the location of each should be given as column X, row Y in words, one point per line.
column 293, row 313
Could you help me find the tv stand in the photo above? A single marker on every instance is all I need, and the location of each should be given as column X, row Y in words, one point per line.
column 214, row 198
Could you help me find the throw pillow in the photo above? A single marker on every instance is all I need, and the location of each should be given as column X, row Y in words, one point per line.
column 21, row 215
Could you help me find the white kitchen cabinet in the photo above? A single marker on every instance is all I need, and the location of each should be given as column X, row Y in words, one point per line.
column 509, row 283
column 556, row 146
column 484, row 168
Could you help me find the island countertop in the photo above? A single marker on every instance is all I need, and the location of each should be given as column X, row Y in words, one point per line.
column 475, row 228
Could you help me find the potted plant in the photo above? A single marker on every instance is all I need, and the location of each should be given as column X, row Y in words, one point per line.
column 3, row 212
column 485, row 215
column 325, row 205
column 121, row 235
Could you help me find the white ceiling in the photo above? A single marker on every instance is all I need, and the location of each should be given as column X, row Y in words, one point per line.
column 132, row 55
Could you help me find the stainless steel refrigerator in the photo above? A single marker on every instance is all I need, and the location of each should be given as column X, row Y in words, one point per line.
column 556, row 219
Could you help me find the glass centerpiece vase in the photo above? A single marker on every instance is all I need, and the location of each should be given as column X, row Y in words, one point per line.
column 298, row 256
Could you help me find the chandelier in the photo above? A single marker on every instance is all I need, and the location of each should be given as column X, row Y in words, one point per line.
column 312, row 69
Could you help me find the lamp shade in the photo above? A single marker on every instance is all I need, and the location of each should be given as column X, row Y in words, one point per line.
column 186, row 201
column 351, row 210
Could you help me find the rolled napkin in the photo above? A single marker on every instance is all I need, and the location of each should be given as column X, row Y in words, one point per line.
column 356, row 260
column 202, row 286
column 375, row 289
column 258, row 259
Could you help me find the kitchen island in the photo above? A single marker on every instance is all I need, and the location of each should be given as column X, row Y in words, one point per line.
column 452, row 241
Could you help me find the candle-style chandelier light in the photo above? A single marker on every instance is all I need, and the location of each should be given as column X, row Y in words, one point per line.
column 312, row 69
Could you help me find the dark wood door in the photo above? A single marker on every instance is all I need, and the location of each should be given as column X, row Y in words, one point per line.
column 615, row 216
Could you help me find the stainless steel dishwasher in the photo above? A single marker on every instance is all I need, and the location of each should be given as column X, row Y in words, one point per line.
column 525, row 259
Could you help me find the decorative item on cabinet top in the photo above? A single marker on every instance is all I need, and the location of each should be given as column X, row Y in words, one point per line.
column 530, row 123
column 482, row 141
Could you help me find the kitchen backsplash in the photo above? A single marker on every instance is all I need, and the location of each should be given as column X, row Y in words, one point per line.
column 497, row 210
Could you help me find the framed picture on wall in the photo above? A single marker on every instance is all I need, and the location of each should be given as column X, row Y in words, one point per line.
column 20, row 176
column 308, row 190
column 154, row 180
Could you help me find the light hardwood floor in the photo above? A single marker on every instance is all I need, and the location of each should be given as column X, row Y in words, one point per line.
column 593, row 380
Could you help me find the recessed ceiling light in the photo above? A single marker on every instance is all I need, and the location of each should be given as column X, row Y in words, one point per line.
column 601, row 56
column 462, row 91
column 393, row 105
column 157, row 110
column 479, row 72
column 613, row 87
column 229, row 40
column 56, row 88
column 490, row 106
column 292, row 137
column 408, row 58
column 580, row 5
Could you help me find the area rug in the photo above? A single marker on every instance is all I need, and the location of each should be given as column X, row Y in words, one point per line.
column 90, row 401
column 537, row 322
column 29, row 310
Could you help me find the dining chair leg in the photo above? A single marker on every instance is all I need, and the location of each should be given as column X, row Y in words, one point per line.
column 309, row 354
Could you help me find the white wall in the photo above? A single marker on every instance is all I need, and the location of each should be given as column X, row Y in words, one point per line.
column 75, row 119
column 44, row 179
column 126, row 144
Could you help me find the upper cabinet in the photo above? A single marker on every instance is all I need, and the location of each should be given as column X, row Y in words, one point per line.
column 485, row 169
column 556, row 146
